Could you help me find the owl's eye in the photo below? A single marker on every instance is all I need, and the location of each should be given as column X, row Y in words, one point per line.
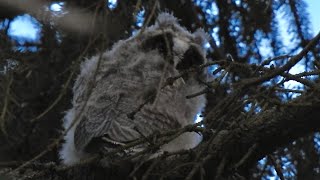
column 161, row 42
column 191, row 58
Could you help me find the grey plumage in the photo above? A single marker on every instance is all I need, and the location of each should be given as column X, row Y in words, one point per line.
column 110, row 91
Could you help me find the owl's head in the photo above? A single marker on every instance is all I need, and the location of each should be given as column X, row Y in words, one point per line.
column 179, row 47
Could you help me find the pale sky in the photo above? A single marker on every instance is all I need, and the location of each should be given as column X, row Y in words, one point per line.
column 314, row 10
column 23, row 27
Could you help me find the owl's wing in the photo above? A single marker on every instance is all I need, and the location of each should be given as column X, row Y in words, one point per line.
column 104, row 120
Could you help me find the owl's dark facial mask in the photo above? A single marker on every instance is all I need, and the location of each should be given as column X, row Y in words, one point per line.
column 162, row 42
column 191, row 58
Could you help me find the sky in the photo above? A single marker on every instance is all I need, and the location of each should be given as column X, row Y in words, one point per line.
column 25, row 27
column 314, row 11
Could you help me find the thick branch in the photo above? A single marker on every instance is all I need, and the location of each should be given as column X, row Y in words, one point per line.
column 269, row 130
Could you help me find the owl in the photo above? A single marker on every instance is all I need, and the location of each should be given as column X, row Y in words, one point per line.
column 121, row 95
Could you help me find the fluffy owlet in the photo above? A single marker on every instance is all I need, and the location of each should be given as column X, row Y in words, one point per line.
column 121, row 96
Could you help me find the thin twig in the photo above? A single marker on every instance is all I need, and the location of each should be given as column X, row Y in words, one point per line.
column 277, row 167
column 269, row 60
column 149, row 17
column 198, row 93
column 289, row 90
column 151, row 167
column 246, row 156
column 221, row 167
column 5, row 106
column 292, row 61
column 49, row 148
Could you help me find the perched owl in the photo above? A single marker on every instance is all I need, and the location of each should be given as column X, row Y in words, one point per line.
column 121, row 96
